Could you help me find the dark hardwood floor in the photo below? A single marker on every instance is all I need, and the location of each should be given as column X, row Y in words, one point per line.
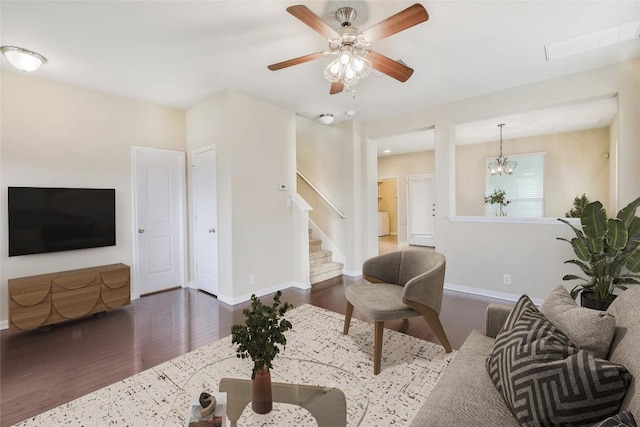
column 41, row 370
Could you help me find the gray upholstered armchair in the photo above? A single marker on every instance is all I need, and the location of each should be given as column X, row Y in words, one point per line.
column 403, row 284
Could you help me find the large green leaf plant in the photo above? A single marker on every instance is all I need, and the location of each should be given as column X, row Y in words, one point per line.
column 608, row 249
column 264, row 330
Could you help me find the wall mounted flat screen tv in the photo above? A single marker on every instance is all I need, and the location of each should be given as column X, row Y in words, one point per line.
column 60, row 219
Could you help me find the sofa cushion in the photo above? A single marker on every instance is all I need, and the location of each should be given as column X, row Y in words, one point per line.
column 623, row 419
column 464, row 395
column 545, row 379
column 589, row 329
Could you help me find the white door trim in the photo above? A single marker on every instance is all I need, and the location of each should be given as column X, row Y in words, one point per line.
column 135, row 276
column 193, row 284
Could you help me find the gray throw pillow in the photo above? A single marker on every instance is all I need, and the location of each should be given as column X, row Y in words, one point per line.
column 589, row 329
column 546, row 380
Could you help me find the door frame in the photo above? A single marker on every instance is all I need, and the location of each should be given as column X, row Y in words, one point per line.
column 192, row 217
column 397, row 178
column 135, row 276
column 432, row 177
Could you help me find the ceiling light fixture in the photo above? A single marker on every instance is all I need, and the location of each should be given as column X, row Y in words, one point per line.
column 351, row 64
column 23, row 59
column 501, row 164
column 326, row 118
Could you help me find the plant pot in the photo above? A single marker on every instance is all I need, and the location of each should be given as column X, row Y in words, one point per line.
column 261, row 399
column 589, row 299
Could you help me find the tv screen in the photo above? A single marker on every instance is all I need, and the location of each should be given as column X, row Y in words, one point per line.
column 60, row 219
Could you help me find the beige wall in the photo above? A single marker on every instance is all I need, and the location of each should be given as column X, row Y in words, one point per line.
column 401, row 166
column 255, row 147
column 325, row 155
column 575, row 163
column 59, row 135
column 479, row 253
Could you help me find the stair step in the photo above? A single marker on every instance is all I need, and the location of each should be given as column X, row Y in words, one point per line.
column 315, row 245
column 326, row 271
column 319, row 257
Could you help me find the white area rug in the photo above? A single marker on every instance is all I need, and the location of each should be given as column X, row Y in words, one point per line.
column 410, row 369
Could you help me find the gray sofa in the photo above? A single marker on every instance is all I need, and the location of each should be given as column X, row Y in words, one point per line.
column 466, row 396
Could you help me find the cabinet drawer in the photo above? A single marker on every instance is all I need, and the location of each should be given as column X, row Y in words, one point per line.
column 28, row 292
column 114, row 298
column 115, row 279
column 75, row 303
column 25, row 318
column 75, row 281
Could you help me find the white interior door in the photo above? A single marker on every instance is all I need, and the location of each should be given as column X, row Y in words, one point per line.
column 159, row 219
column 205, row 209
column 421, row 210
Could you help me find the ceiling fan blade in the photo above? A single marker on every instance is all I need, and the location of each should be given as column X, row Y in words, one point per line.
column 413, row 15
column 296, row 61
column 336, row 87
column 389, row 67
column 316, row 23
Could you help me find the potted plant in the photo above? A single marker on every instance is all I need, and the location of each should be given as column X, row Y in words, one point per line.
column 578, row 205
column 608, row 251
column 259, row 340
column 498, row 197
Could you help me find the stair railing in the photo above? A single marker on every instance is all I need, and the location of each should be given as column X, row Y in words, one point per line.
column 334, row 207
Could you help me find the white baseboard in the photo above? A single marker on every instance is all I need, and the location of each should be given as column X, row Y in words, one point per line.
column 488, row 293
column 260, row 292
column 4, row 324
column 352, row 273
column 191, row 285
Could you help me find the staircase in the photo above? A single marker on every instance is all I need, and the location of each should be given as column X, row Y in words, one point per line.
column 321, row 267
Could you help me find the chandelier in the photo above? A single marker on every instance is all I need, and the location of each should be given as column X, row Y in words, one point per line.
column 349, row 67
column 501, row 164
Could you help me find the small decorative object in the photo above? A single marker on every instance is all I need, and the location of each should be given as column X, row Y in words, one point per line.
column 203, row 415
column 608, row 251
column 578, row 205
column 208, row 404
column 498, row 197
column 258, row 339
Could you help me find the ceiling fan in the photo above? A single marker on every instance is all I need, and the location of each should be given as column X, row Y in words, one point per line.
column 354, row 59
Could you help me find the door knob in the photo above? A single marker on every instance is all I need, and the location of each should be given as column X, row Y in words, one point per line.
column 212, row 230
column 140, row 230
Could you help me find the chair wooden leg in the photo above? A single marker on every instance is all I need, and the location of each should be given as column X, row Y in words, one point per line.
column 377, row 346
column 347, row 318
column 433, row 320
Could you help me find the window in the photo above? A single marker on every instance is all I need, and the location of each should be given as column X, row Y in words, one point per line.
column 524, row 188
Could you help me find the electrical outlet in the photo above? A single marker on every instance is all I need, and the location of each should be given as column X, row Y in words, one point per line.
column 507, row 279
column 252, row 279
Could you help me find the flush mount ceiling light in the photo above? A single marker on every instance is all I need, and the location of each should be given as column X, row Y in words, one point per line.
column 326, row 118
column 23, row 59
column 501, row 164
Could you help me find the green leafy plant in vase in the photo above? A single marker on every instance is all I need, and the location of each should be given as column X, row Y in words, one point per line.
column 578, row 205
column 498, row 197
column 259, row 339
column 608, row 251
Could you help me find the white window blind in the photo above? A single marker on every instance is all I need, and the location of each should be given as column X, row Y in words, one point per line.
column 525, row 187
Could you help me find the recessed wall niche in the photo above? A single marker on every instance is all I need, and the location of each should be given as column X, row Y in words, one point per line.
column 575, row 140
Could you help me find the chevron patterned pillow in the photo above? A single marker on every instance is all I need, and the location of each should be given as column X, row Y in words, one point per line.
column 546, row 380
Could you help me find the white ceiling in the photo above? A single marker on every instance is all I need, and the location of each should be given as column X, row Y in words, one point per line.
column 179, row 53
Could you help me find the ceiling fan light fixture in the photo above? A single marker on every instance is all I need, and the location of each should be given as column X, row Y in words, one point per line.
column 23, row 59
column 326, row 118
column 349, row 67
